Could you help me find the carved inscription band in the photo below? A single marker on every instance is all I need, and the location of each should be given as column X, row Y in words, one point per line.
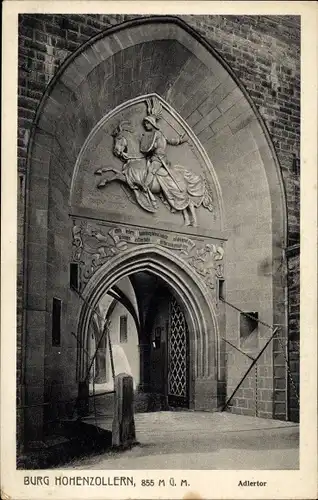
column 94, row 244
column 141, row 236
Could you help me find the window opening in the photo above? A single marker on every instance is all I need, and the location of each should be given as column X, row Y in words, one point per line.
column 56, row 322
column 123, row 329
column 74, row 275
column 249, row 330
column 221, row 289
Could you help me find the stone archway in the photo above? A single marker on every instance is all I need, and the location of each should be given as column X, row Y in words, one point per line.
column 198, row 308
column 111, row 69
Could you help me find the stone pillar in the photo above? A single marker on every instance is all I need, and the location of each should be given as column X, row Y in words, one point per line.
column 123, row 431
column 205, row 393
column 36, row 326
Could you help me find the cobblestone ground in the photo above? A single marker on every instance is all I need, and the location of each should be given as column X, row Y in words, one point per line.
column 197, row 440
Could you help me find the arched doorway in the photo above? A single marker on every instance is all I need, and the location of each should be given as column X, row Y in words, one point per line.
column 241, row 241
column 154, row 350
column 177, row 328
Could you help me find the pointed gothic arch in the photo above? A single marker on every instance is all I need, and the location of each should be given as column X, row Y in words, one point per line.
column 118, row 65
column 190, row 291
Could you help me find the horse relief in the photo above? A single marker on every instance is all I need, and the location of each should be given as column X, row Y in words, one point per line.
column 148, row 172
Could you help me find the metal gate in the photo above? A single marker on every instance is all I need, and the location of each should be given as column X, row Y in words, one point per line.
column 177, row 357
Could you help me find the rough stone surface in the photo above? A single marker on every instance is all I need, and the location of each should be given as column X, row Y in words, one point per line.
column 251, row 45
column 123, row 432
column 294, row 337
column 263, row 52
column 213, row 441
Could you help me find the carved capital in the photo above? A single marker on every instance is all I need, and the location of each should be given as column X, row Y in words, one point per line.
column 208, row 263
column 91, row 249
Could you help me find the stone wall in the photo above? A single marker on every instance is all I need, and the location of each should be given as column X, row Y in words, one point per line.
column 263, row 52
column 126, row 355
column 294, row 338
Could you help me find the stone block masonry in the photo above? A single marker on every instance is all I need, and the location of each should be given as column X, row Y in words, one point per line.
column 263, row 52
column 252, row 45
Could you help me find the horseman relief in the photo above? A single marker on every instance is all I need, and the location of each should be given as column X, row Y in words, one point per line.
column 148, row 172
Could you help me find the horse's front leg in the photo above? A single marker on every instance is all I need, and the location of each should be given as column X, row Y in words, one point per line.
column 186, row 217
column 100, row 171
column 117, row 176
column 193, row 215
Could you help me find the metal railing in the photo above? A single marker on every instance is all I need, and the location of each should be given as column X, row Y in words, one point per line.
column 254, row 360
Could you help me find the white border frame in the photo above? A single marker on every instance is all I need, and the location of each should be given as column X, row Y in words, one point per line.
column 300, row 484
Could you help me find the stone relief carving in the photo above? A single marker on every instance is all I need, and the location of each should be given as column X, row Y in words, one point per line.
column 93, row 246
column 91, row 249
column 208, row 263
column 148, row 172
column 122, row 235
